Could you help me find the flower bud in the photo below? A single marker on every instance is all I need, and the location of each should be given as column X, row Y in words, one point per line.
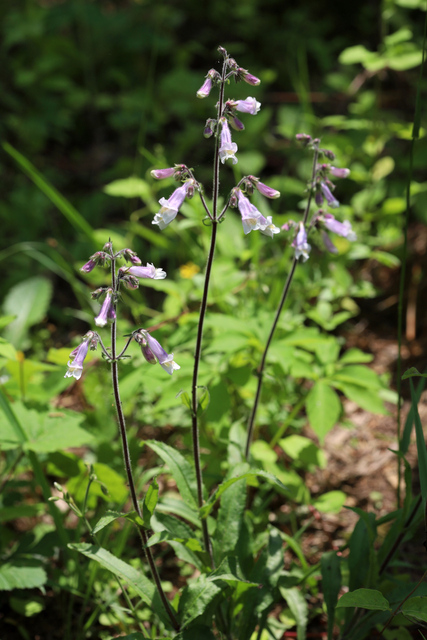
column 340, row 173
column 159, row 174
column 248, row 77
column 210, row 127
column 304, row 138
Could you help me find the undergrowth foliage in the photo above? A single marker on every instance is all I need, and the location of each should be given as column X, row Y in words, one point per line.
column 219, row 563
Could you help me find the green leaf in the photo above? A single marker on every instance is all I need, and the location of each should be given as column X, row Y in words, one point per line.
column 252, row 473
column 299, row 609
column 330, row 565
column 353, row 55
column 47, row 432
column 168, row 504
column 13, row 576
column 230, row 518
column 28, row 301
column 410, row 373
column 196, row 598
column 7, row 350
column 131, row 187
column 196, row 632
column 181, row 470
column 323, row 408
column 141, row 585
column 303, row 450
column 365, row 599
column 421, row 445
column 353, row 356
column 27, row 607
column 330, row 502
column 67, row 209
column 406, row 435
column 229, row 571
column 150, row 502
column 185, row 399
column 416, row 608
column 21, row 511
column 107, row 518
column 203, row 401
column 368, row 399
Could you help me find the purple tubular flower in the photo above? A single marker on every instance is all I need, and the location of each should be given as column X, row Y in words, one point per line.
column 149, row 271
column 153, row 349
column 106, row 313
column 227, row 148
column 236, row 123
column 249, row 78
column 267, row 191
column 170, row 207
column 300, row 244
column 89, row 266
column 252, row 219
column 340, row 228
column 205, row 89
column 332, row 202
column 75, row 367
column 340, row 173
column 329, row 245
column 250, row 105
column 163, row 173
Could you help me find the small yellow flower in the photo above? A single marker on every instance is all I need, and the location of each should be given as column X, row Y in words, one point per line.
column 189, row 270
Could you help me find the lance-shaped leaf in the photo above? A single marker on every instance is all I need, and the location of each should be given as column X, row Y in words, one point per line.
column 181, row 470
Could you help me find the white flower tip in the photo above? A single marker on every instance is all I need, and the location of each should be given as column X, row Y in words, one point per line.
column 100, row 322
column 160, row 274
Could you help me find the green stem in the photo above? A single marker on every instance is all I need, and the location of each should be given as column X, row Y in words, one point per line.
column 260, row 370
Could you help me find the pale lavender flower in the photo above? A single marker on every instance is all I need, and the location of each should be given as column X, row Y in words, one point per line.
column 107, row 310
column 329, row 245
column 250, row 105
column 89, row 266
column 75, row 366
column 300, row 244
column 340, row 228
column 236, row 123
column 152, row 348
column 266, row 191
column 134, row 259
column 252, row 219
column 248, row 77
column 227, row 148
column 170, row 207
column 149, row 271
column 163, row 173
column 340, row 173
column 206, row 87
column 330, row 199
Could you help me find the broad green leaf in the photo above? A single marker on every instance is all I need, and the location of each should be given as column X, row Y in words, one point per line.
column 131, row 187
column 67, row 209
column 353, row 55
column 175, row 527
column 365, row 599
column 28, row 301
column 141, row 585
column 353, row 356
column 185, row 399
column 44, row 432
column 330, row 502
column 410, row 373
column 196, row 598
column 416, row 608
column 230, row 517
column 299, row 609
column 323, row 408
column 359, row 375
column 150, row 502
column 362, row 553
column 229, row 571
column 7, row 350
column 181, row 470
column 180, row 508
column 13, row 576
column 367, row 398
column 106, row 519
column 330, row 565
column 421, row 445
column 303, row 450
column 259, row 473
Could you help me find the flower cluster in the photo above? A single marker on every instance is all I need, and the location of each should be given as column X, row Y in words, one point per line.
column 129, row 276
column 323, row 188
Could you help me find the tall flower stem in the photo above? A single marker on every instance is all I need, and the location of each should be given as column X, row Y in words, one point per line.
column 127, row 460
column 286, row 288
column 202, row 315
